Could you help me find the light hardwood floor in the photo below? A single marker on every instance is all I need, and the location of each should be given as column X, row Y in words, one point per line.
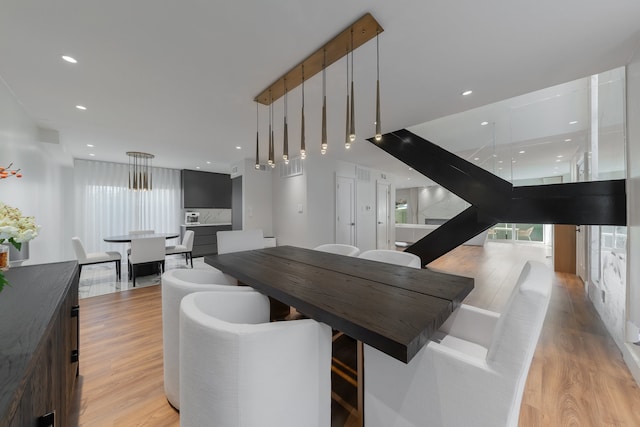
column 577, row 377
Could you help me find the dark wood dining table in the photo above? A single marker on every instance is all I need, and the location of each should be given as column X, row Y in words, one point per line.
column 392, row 308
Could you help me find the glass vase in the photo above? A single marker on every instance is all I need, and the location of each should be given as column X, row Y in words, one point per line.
column 4, row 257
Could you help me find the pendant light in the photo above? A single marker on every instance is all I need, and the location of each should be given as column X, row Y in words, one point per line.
column 352, row 124
column 378, row 136
column 303, row 150
column 270, row 161
column 257, row 140
column 347, row 140
column 140, row 176
column 323, row 146
column 285, row 138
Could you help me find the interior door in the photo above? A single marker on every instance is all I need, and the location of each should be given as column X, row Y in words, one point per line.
column 581, row 232
column 382, row 216
column 345, row 211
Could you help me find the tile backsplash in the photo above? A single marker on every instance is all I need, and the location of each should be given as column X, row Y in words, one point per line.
column 212, row 216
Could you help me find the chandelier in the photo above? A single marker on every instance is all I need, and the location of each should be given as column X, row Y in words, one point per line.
column 140, row 177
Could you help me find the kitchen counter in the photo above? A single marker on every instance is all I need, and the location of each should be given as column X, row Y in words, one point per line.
column 206, row 225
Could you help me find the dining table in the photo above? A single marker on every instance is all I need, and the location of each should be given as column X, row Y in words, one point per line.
column 392, row 308
column 126, row 238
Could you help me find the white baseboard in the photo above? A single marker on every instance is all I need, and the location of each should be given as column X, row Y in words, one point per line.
column 631, row 355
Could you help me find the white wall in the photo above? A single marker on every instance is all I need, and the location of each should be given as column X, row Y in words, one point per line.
column 257, row 204
column 46, row 189
column 633, row 202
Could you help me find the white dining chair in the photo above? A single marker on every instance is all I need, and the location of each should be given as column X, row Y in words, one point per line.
column 186, row 247
column 239, row 369
column 246, row 240
column 472, row 372
column 239, row 240
column 176, row 284
column 85, row 258
column 392, row 257
column 146, row 251
column 337, row 248
column 137, row 232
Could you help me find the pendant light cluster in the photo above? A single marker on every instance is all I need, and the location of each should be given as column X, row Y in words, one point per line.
column 140, row 174
column 343, row 44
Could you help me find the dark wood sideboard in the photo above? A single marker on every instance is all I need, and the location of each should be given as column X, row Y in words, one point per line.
column 205, row 240
column 39, row 343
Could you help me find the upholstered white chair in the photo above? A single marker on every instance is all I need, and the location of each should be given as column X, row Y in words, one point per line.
column 337, row 248
column 474, row 370
column 237, row 369
column 186, row 247
column 176, row 284
column 85, row 258
column 239, row 240
column 392, row 257
column 138, row 232
column 478, row 239
column 146, row 251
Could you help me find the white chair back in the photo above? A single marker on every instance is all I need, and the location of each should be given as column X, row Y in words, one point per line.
column 239, row 240
column 176, row 284
column 237, row 368
column 78, row 248
column 480, row 363
column 147, row 250
column 337, row 248
column 187, row 239
column 392, row 257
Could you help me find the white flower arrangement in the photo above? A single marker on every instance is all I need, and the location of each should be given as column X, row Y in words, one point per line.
column 15, row 229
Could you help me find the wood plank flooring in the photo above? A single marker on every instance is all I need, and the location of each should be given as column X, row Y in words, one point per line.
column 577, row 377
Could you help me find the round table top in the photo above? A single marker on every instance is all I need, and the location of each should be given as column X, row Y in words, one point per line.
column 128, row 237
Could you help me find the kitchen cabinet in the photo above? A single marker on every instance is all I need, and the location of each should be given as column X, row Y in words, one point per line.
column 205, row 241
column 40, row 342
column 205, row 190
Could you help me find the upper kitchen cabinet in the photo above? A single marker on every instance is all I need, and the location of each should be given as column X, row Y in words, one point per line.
column 205, row 190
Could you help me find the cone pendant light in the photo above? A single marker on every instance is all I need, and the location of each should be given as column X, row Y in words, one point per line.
column 347, row 140
column 378, row 136
column 285, row 138
column 303, row 150
column 352, row 121
column 257, row 140
column 323, row 146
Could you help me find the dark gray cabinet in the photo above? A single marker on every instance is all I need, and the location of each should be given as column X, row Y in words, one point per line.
column 205, row 189
column 205, row 241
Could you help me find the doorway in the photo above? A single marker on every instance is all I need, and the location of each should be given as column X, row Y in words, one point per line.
column 382, row 216
column 345, row 211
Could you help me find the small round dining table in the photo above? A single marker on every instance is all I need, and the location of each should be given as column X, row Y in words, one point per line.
column 127, row 238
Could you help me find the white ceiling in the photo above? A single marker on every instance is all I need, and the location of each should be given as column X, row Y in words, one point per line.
column 177, row 79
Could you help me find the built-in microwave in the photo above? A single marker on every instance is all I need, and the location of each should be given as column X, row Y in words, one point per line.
column 192, row 218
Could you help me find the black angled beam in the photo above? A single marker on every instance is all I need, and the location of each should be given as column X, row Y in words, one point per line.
column 495, row 200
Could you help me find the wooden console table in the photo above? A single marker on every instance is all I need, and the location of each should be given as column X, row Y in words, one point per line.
column 39, row 343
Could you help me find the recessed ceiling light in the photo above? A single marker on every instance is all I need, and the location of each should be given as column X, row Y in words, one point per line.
column 467, row 92
column 499, row 169
column 560, row 156
column 81, row 107
column 410, row 169
column 484, row 123
column 208, row 162
column 70, row 59
column 499, row 161
column 90, row 145
column 558, row 161
column 91, row 154
column 521, row 151
column 513, row 161
column 238, row 147
column 567, row 140
column 573, row 122
column 408, row 179
column 476, row 158
column 197, row 167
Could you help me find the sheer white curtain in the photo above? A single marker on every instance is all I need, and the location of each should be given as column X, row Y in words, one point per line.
column 105, row 206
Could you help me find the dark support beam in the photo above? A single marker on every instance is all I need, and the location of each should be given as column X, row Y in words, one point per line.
column 495, row 200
